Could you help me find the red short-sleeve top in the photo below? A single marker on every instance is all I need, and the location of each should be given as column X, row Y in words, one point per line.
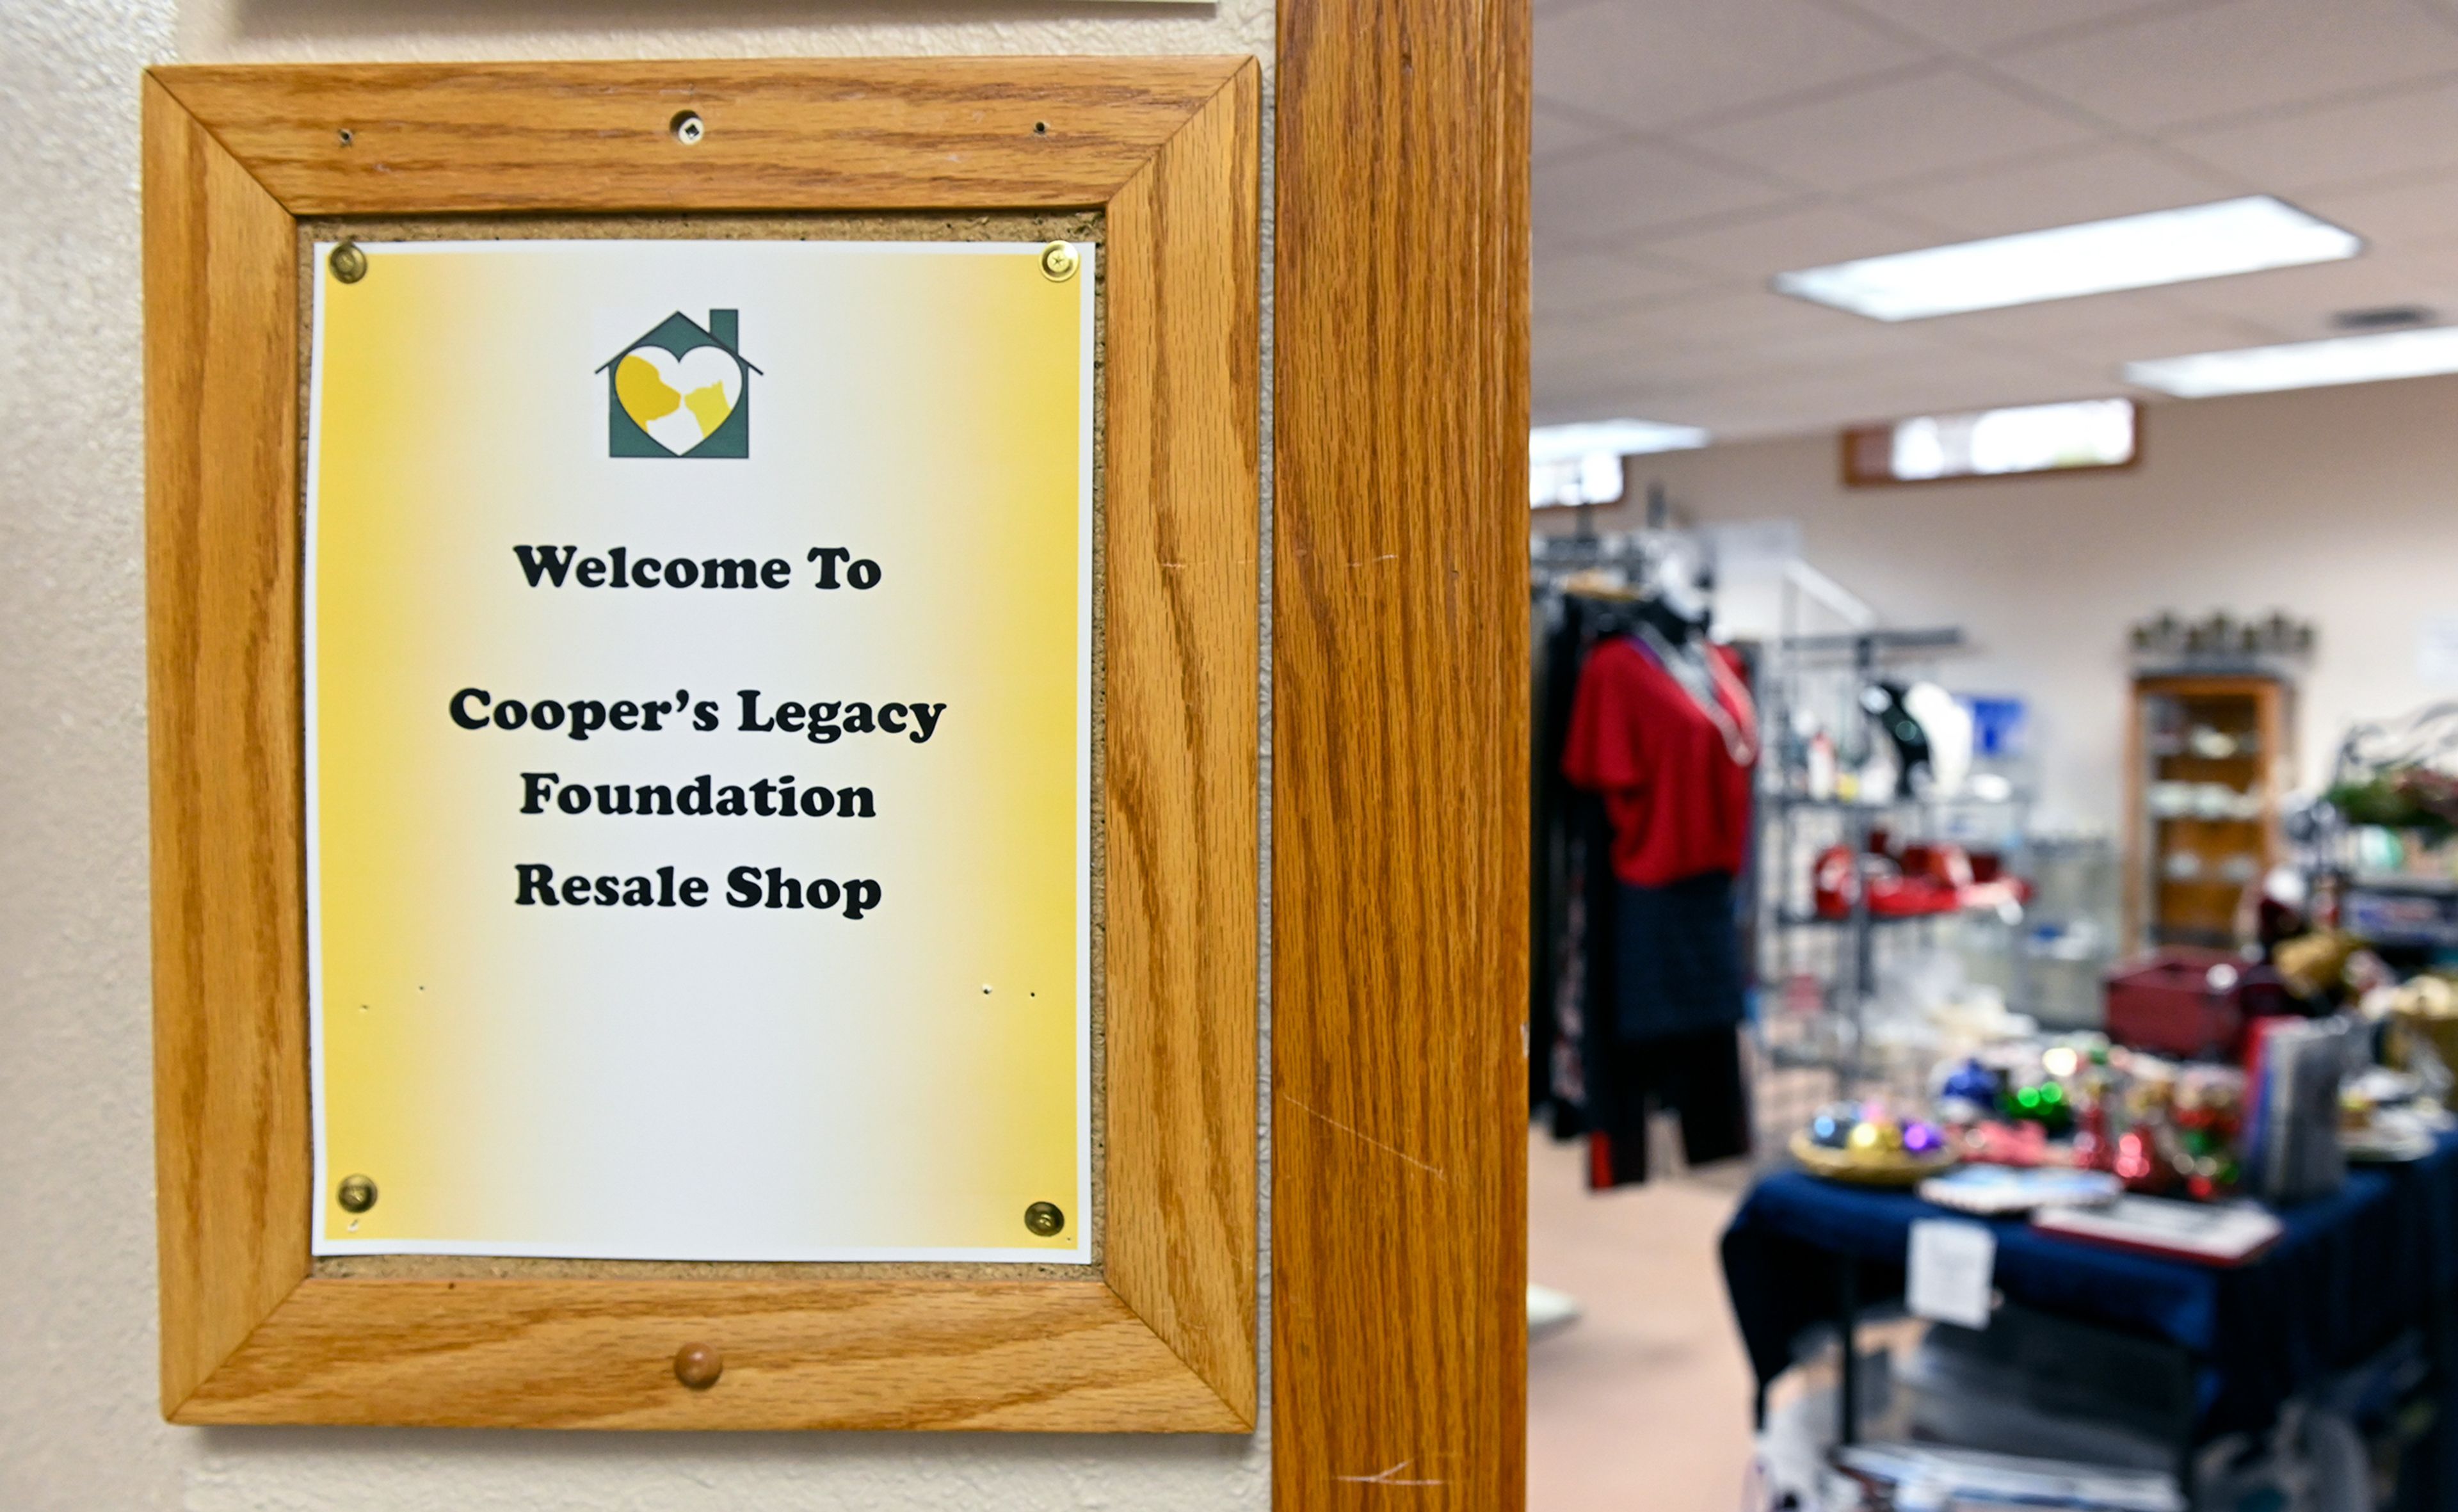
column 1675, row 779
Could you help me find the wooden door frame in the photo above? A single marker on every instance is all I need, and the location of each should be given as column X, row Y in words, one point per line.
column 1400, row 756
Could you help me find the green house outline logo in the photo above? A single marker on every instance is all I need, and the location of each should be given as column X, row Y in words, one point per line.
column 678, row 336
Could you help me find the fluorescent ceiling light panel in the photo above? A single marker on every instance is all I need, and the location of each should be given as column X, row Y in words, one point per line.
column 2098, row 257
column 1622, row 438
column 2303, row 365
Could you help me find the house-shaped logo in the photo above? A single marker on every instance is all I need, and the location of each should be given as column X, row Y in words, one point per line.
column 681, row 390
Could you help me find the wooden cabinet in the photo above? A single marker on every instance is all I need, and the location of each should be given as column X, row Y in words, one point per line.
column 2209, row 761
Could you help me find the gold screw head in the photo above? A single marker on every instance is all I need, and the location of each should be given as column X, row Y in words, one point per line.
column 1044, row 1219
column 1059, row 261
column 356, row 1195
column 350, row 262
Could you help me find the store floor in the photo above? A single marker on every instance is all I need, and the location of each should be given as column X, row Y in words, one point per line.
column 1644, row 1402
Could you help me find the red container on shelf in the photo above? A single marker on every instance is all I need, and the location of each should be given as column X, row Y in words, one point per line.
column 2193, row 1005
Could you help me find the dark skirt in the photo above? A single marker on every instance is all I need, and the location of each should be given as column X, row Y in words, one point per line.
column 1676, row 959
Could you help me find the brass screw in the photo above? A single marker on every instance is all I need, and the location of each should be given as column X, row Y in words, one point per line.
column 350, row 262
column 356, row 1195
column 697, row 1366
column 1058, row 261
column 1044, row 1219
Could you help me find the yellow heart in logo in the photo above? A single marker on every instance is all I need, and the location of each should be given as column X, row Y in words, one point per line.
column 678, row 401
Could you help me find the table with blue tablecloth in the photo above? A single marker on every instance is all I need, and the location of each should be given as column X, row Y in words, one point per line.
column 2353, row 1272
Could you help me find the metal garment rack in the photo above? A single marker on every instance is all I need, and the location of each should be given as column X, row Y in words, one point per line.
column 1840, row 1048
column 1634, row 554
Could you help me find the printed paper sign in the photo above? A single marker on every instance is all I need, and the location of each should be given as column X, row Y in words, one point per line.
column 1950, row 1273
column 698, row 665
column 2436, row 650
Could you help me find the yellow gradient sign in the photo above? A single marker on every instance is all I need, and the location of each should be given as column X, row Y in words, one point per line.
column 699, row 645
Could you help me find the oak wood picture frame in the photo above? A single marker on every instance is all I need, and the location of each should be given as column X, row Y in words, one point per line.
column 1161, row 1335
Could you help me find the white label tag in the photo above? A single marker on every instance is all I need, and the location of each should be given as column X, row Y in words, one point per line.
column 2436, row 650
column 1950, row 1272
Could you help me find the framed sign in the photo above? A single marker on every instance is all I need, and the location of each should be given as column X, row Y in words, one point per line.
column 752, row 755
column 703, row 639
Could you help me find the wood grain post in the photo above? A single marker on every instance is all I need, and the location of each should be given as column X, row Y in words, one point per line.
column 1400, row 719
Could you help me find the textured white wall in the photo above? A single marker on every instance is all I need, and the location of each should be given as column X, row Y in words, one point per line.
column 79, row 1423
column 2337, row 505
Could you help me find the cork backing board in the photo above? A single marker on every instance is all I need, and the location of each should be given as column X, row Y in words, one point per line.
column 1085, row 226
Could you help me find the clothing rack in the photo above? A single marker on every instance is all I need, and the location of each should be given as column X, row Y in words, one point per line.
column 1553, row 559
column 1584, row 591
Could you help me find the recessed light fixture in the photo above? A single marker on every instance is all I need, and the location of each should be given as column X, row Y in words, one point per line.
column 2097, row 257
column 1581, row 463
column 2303, row 365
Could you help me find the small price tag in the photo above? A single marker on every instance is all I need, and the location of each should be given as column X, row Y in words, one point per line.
column 1950, row 1271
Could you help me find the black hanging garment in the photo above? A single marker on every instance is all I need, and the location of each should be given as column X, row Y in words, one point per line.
column 1658, row 989
column 1565, row 629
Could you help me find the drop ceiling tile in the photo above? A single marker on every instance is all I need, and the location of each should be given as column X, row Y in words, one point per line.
column 1975, row 25
column 1659, row 358
column 1804, row 236
column 1678, row 372
column 1929, row 123
column 2410, row 216
column 1674, row 365
column 1739, row 316
column 1871, row 349
column 1636, row 360
column 1558, row 404
column 1949, row 393
column 1580, row 362
column 2107, row 352
column 1611, row 404
column 1577, row 281
column 1751, row 410
column 1924, row 385
column 1610, row 396
column 2054, row 190
column 1557, row 131
column 1575, row 346
column 1655, row 62
column 1609, row 191
column 2170, row 68
column 1944, row 372
column 2405, row 132
column 2104, row 329
column 1759, row 414
column 2296, row 304
column 1566, row 406
column 1628, row 340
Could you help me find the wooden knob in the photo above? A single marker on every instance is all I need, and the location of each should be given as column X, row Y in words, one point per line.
column 697, row 1366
